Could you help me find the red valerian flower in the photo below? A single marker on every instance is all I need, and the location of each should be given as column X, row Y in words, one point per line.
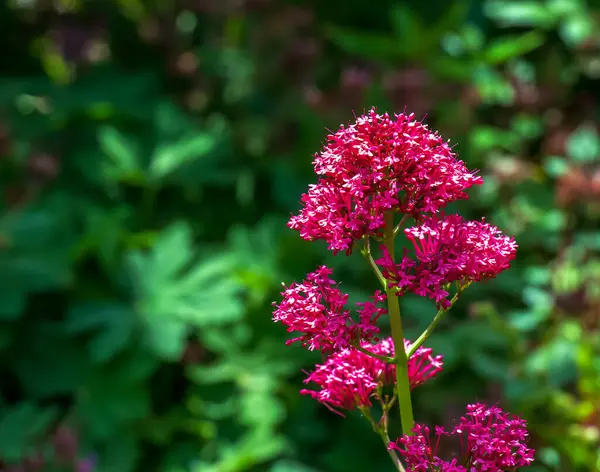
column 448, row 249
column 491, row 441
column 373, row 165
column 317, row 309
column 349, row 378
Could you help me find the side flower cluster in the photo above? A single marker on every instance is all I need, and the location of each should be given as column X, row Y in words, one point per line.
column 350, row 378
column 491, row 441
column 376, row 164
column 448, row 249
column 316, row 308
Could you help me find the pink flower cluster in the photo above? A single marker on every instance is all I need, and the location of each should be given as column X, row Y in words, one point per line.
column 491, row 441
column 350, row 378
column 374, row 165
column 317, row 309
column 448, row 249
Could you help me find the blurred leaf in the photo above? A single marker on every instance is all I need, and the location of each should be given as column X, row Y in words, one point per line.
column 407, row 25
column 555, row 360
column 493, row 88
column 489, row 366
column 486, row 138
column 174, row 292
column 108, row 403
column 289, row 466
column 120, row 454
column 20, row 426
column 583, row 145
column 509, row 47
column 527, row 320
column 556, row 166
column 53, row 364
column 528, row 126
column 169, row 157
column 576, row 29
column 121, row 150
column 365, row 45
column 112, row 323
column 519, row 13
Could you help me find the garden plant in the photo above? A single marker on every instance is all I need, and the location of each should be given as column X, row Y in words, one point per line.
column 375, row 176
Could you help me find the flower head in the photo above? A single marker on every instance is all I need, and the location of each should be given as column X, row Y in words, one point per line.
column 449, row 249
column 491, row 441
column 350, row 378
column 374, row 165
column 317, row 309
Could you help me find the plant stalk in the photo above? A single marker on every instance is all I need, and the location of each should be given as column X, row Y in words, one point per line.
column 402, row 380
column 438, row 316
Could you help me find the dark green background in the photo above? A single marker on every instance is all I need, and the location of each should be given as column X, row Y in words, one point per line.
column 151, row 153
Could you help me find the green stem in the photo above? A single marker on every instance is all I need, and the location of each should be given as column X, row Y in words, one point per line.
column 382, row 430
column 439, row 315
column 400, row 225
column 402, row 380
column 367, row 253
column 386, row 359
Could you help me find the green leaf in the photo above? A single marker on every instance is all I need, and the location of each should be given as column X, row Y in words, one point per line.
column 555, row 360
column 527, row 126
column 509, row 47
column 527, row 320
column 520, row 13
column 492, row 86
column 556, row 166
column 175, row 291
column 407, row 26
column 13, row 300
column 36, row 253
column 20, row 426
column 489, row 366
column 290, row 466
column 120, row 454
column 53, row 363
column 110, row 403
column 583, row 145
column 170, row 157
column 366, row 45
column 121, row 150
column 485, row 138
column 576, row 29
column 111, row 323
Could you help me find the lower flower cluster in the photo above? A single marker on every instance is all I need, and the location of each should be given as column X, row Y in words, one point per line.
column 350, row 378
column 490, row 441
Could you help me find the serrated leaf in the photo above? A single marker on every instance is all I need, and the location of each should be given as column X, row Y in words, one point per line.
column 170, row 157
column 175, row 291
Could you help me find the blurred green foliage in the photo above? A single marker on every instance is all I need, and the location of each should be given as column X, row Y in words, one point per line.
column 150, row 154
